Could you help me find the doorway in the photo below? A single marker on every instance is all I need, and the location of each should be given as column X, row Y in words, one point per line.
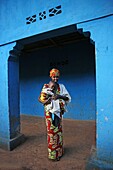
column 74, row 55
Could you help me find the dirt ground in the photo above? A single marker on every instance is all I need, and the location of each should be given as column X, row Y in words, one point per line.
column 79, row 137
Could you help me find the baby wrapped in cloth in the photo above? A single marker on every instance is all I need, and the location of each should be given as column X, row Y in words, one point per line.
column 54, row 106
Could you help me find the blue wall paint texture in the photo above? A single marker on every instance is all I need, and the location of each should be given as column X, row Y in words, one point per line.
column 13, row 84
column 104, row 91
column 90, row 92
column 5, row 127
column 46, row 16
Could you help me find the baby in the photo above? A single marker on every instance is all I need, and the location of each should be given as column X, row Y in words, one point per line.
column 54, row 106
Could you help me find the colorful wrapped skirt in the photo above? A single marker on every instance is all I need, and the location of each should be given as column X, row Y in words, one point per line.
column 54, row 137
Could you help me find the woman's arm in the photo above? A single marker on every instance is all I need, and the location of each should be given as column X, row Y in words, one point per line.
column 65, row 94
column 57, row 96
column 43, row 99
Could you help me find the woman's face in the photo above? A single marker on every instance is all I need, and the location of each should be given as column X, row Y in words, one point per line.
column 55, row 78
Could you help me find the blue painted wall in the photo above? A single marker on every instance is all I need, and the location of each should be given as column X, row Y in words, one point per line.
column 77, row 65
column 16, row 14
column 13, row 95
column 4, row 118
column 8, row 100
column 101, row 32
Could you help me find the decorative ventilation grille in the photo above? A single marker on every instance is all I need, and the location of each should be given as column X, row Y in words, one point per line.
column 31, row 19
column 55, row 11
column 42, row 15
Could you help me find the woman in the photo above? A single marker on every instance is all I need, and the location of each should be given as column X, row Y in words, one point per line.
column 54, row 126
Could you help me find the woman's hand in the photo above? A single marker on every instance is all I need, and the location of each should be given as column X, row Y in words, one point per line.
column 48, row 101
column 57, row 96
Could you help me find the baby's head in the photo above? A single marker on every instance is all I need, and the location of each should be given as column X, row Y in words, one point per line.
column 52, row 85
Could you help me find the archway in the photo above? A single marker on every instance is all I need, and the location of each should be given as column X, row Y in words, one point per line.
column 59, row 38
column 62, row 49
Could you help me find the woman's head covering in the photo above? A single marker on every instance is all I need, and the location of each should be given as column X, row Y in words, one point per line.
column 54, row 72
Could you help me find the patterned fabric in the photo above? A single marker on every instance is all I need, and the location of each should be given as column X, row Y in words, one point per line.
column 54, row 138
column 54, row 128
column 54, row 72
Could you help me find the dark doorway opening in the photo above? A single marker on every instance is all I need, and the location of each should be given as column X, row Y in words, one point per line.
column 73, row 52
